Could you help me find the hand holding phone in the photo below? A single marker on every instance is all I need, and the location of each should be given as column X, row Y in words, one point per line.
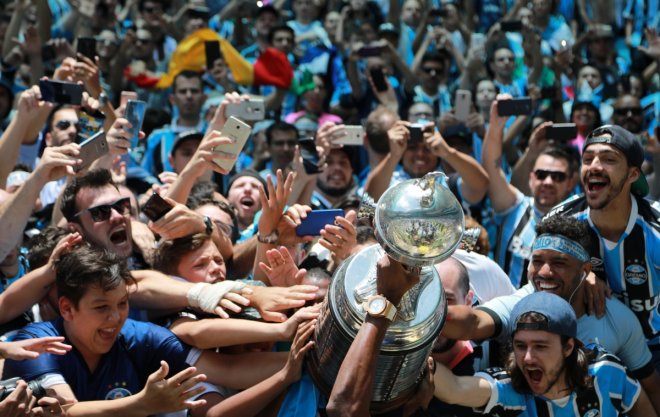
column 310, row 156
column 378, row 78
column 252, row 109
column 134, row 113
column 350, row 135
column 316, row 220
column 156, row 207
column 561, row 131
column 86, row 47
column 239, row 132
column 462, row 105
column 212, row 51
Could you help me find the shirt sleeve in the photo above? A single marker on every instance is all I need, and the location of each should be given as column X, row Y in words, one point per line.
column 500, row 309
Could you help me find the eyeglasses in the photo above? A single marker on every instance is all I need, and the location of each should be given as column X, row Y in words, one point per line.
column 102, row 212
column 283, row 143
column 432, row 71
column 421, row 115
column 623, row 111
column 225, row 228
column 556, row 176
column 65, row 124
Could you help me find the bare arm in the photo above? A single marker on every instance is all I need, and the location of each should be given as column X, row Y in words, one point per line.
column 468, row 391
column 380, row 176
column 467, row 323
column 642, row 407
column 520, row 175
column 501, row 193
column 240, row 371
column 650, row 387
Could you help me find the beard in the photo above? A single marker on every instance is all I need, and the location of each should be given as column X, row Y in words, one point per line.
column 334, row 191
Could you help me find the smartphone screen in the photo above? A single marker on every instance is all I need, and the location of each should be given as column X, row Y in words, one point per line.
column 212, row 50
column 511, row 26
column 378, row 77
column 156, row 207
column 134, row 113
column 87, row 47
column 310, row 155
column 561, row 131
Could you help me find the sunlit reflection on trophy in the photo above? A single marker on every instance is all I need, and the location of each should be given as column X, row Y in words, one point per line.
column 419, row 223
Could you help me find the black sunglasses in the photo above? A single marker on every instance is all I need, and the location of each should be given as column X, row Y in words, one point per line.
column 557, row 176
column 65, row 124
column 102, row 212
column 636, row 111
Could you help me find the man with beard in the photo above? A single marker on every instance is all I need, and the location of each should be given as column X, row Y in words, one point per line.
column 551, row 180
column 549, row 371
column 628, row 114
column 335, row 182
column 623, row 223
column 559, row 264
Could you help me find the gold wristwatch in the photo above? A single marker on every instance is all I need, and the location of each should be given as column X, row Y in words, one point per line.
column 379, row 306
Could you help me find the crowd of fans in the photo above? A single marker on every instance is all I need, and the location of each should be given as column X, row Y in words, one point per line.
column 223, row 294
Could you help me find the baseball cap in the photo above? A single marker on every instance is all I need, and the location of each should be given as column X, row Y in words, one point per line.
column 560, row 316
column 627, row 143
column 247, row 173
column 184, row 136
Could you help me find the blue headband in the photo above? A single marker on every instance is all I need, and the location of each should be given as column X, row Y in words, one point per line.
column 561, row 244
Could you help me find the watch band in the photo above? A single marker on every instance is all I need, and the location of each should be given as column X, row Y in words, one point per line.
column 271, row 238
column 389, row 310
column 209, row 225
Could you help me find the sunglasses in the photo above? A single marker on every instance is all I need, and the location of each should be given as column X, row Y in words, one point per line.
column 102, row 212
column 636, row 111
column 65, row 124
column 433, row 70
column 557, row 176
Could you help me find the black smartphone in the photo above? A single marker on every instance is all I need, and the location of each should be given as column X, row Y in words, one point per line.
column 561, row 131
column 416, row 133
column 92, row 149
column 549, row 92
column 156, row 207
column 515, row 106
column 310, row 155
column 367, row 51
column 511, row 25
column 378, row 77
column 87, row 47
column 48, row 53
column 61, row 92
column 212, row 50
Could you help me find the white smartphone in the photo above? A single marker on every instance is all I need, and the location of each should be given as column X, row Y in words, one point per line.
column 462, row 104
column 354, row 136
column 252, row 109
column 87, row 8
column 239, row 132
column 92, row 149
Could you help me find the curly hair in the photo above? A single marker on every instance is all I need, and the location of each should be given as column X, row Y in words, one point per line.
column 569, row 227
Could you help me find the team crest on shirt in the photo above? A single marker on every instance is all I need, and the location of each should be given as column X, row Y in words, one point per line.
column 117, row 390
column 591, row 413
column 635, row 274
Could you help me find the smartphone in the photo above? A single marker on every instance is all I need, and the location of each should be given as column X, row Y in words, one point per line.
column 127, row 95
column 353, row 136
column 239, row 132
column 437, row 15
column 48, row 53
column 416, row 133
column 310, row 155
column 134, row 113
column 511, row 25
column 561, row 131
column 87, row 47
column 549, row 92
column 515, row 107
column 61, row 92
column 378, row 77
column 367, row 51
column 156, row 207
column 253, row 109
column 316, row 220
column 92, row 149
column 212, row 50
column 462, row 104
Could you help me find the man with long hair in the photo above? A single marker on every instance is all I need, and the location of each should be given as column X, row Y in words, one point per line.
column 549, row 371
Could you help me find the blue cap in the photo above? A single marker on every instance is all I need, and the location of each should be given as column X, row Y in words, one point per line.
column 559, row 314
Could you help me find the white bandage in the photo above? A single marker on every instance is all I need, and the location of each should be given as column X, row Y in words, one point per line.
column 208, row 296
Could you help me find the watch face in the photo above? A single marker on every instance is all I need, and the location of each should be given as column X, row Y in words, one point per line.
column 377, row 305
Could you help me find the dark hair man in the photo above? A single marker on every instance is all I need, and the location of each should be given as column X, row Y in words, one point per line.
column 548, row 364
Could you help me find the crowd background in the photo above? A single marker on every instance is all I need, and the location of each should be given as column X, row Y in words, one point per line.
column 317, row 66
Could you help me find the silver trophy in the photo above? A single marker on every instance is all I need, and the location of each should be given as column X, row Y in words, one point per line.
column 419, row 223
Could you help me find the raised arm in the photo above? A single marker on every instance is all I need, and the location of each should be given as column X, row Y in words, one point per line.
column 380, row 176
column 501, row 193
column 468, row 391
column 467, row 323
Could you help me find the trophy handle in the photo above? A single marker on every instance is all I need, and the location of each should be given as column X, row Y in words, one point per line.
column 469, row 239
column 367, row 210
